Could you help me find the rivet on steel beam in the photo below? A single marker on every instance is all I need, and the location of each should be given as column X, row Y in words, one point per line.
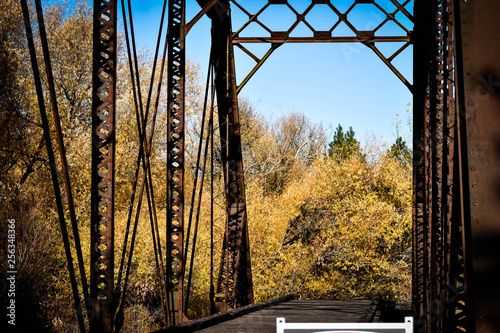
column 476, row 221
column 476, row 203
column 470, row 119
column 472, row 151
column 467, row 59
column 473, row 169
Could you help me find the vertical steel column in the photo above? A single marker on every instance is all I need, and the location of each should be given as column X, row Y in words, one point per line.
column 451, row 267
column 234, row 284
column 103, row 166
column 438, row 271
column 460, row 260
column 424, row 16
column 437, row 90
column 175, row 160
column 480, row 50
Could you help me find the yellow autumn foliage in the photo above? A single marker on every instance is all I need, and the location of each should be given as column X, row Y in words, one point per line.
column 318, row 227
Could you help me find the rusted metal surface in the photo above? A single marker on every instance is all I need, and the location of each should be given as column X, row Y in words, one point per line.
column 456, row 89
column 62, row 148
column 103, row 166
column 234, row 284
column 439, row 265
column 369, row 34
column 175, row 160
column 480, row 49
column 276, row 37
column 49, row 148
column 422, row 55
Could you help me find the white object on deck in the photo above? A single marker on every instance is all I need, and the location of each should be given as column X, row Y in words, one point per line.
column 283, row 327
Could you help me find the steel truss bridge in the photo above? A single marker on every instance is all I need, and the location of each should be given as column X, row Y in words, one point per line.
column 456, row 147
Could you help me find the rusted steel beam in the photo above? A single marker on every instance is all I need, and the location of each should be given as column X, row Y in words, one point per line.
column 51, row 155
column 284, row 38
column 389, row 64
column 234, row 285
column 203, row 11
column 176, row 64
column 439, row 266
column 340, row 17
column 460, row 260
column 61, row 147
column 259, row 64
column 480, row 50
column 422, row 59
column 103, row 166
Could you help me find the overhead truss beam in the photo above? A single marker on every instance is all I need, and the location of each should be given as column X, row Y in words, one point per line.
column 395, row 13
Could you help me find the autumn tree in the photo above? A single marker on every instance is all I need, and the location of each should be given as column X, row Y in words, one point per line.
column 400, row 151
column 25, row 195
column 326, row 227
column 283, row 150
column 347, row 233
column 343, row 144
column 25, row 183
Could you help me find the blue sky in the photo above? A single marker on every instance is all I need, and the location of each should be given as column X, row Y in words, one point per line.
column 330, row 83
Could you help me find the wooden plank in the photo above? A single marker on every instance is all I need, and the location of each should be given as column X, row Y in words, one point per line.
column 314, row 311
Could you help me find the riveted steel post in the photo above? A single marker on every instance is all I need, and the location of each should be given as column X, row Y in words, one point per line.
column 175, row 160
column 103, row 166
column 438, row 260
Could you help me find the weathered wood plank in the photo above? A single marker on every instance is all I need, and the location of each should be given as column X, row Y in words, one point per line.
column 294, row 311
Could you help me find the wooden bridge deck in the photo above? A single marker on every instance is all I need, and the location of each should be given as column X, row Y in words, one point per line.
column 264, row 319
